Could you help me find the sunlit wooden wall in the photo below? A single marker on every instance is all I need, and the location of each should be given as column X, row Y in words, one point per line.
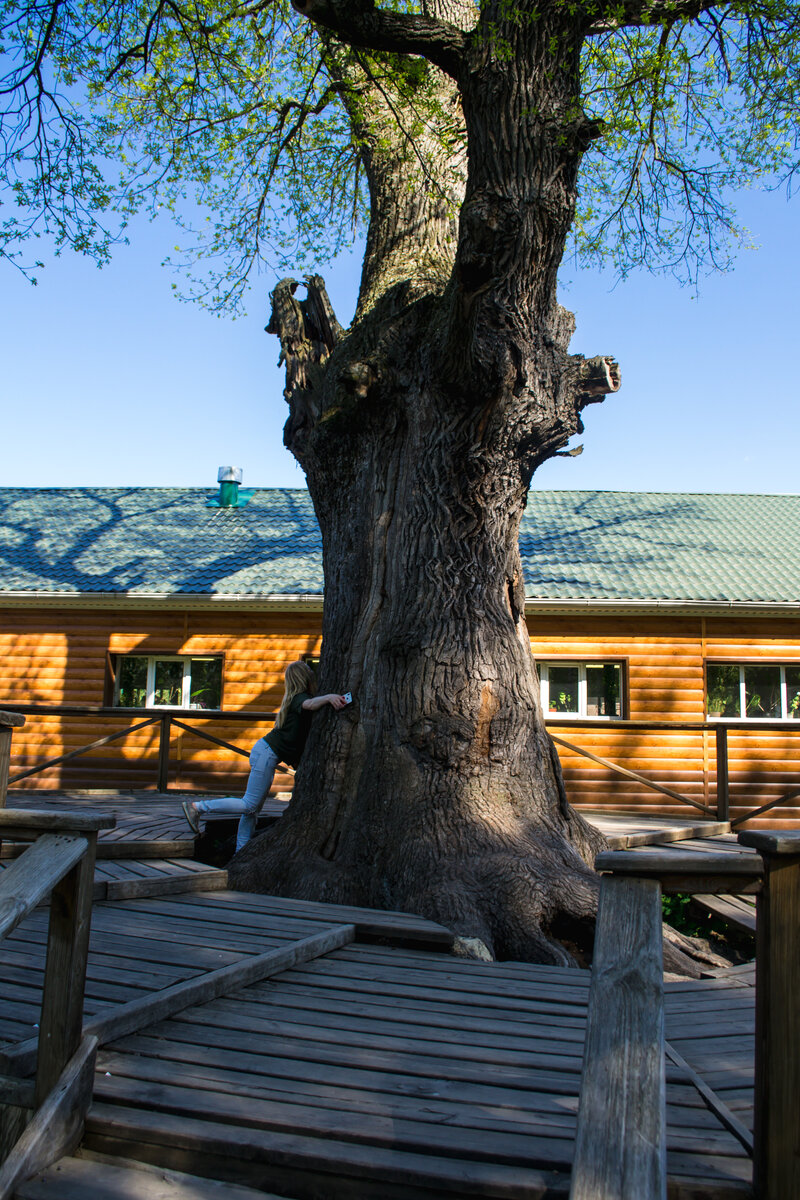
column 53, row 657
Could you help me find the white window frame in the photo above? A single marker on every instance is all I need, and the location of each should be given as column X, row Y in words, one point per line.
column 743, row 717
column 582, row 665
column 152, row 659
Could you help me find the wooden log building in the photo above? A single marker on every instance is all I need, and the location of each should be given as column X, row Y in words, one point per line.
column 644, row 609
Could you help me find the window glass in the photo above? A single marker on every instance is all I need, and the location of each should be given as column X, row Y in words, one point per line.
column 793, row 692
column 206, row 683
column 603, row 690
column 132, row 681
column 563, row 689
column 723, row 690
column 762, row 691
column 168, row 683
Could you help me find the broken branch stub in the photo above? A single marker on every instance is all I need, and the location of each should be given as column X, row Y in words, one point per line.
column 308, row 329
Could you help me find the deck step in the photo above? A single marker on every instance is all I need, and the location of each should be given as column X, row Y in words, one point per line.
column 101, row 1179
column 306, row 1165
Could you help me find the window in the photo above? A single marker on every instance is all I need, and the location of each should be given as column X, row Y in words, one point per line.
column 753, row 691
column 577, row 689
column 156, row 681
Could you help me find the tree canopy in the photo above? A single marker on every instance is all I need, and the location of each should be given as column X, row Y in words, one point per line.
column 252, row 122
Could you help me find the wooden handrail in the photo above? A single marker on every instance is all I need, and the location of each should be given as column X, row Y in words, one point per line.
column 57, row 1126
column 617, row 769
column 773, row 874
column 33, row 876
column 60, row 862
column 101, row 710
column 104, row 741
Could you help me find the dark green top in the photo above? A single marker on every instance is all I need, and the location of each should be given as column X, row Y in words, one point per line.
column 289, row 741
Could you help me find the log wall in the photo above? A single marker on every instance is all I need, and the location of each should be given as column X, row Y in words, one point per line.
column 53, row 657
column 664, row 680
column 45, row 665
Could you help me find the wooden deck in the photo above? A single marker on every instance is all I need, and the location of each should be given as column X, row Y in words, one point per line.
column 373, row 1070
column 154, row 823
column 386, row 1068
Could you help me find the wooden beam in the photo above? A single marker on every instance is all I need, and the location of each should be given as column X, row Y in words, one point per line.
column 620, row 1145
column 723, row 788
column 18, row 1092
column 776, row 1160
column 200, row 881
column 127, row 1018
column 711, row 885
column 57, row 1126
column 712, row 1100
column 653, row 861
column 5, row 759
column 163, row 754
column 31, row 822
column 30, row 878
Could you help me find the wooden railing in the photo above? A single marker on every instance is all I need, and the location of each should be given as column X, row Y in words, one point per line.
column 620, row 1147
column 59, row 863
column 187, row 718
column 721, row 809
column 164, row 720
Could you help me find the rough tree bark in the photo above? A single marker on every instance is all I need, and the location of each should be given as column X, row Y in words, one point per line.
column 439, row 791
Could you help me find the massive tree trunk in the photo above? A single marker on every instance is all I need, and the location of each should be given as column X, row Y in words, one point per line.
column 439, row 790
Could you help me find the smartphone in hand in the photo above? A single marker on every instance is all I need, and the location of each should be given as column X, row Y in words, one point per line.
column 348, row 697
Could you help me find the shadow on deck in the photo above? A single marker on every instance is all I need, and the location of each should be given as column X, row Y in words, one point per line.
column 385, row 1067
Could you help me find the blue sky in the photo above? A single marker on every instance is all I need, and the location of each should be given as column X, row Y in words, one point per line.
column 108, row 380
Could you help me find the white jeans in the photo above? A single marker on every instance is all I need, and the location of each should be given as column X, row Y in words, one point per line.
column 263, row 761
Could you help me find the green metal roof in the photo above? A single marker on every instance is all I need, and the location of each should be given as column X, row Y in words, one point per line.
column 625, row 547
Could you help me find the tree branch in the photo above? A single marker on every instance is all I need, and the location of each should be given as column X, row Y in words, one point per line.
column 360, row 23
column 648, row 12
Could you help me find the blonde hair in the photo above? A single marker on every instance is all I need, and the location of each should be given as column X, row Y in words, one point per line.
column 299, row 678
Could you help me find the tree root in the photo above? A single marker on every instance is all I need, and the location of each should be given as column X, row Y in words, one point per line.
column 684, row 955
column 531, row 900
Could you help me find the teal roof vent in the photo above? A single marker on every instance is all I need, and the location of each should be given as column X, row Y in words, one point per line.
column 230, row 495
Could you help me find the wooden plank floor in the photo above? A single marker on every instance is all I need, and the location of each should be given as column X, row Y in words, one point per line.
column 374, row 1071
column 141, row 945
column 378, row 1071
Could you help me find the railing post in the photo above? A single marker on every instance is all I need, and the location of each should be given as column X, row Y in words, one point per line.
column 723, row 797
column 8, row 721
column 61, row 1020
column 621, row 1142
column 776, row 1159
column 163, row 755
